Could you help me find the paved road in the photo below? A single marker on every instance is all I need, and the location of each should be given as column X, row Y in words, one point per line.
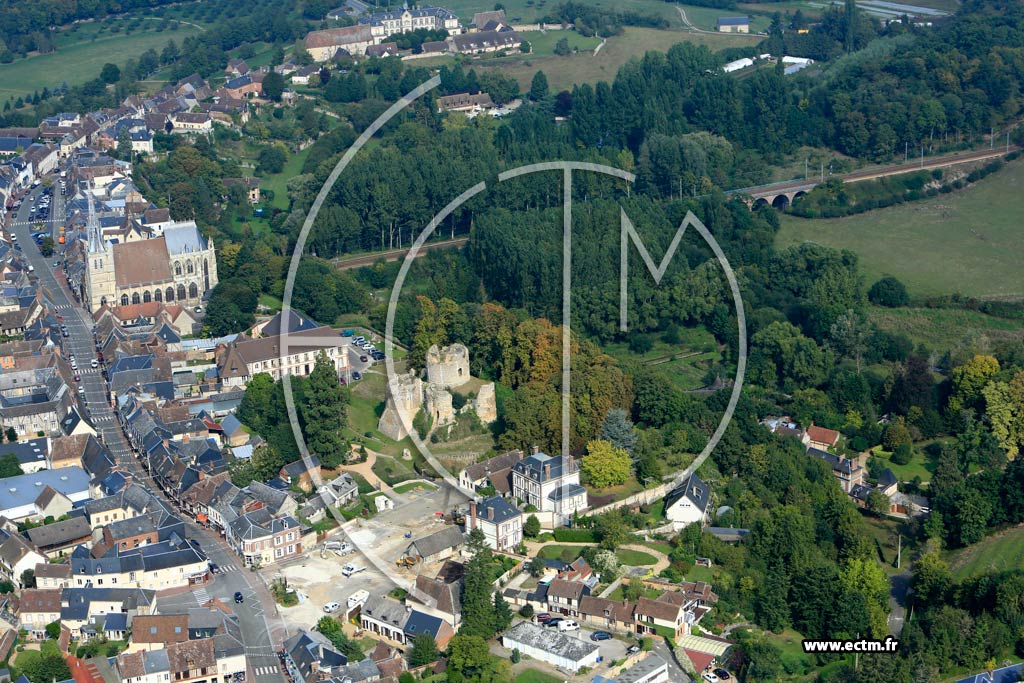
column 260, row 639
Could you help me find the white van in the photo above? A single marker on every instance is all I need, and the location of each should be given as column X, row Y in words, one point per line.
column 358, row 598
column 568, row 625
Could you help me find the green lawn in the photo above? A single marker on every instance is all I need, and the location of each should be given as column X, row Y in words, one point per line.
column 271, row 302
column 542, row 44
column 966, row 241
column 81, row 57
column 1002, row 551
column 530, row 11
column 941, row 328
column 920, row 465
column 415, row 485
column 278, row 182
column 534, row 676
column 635, row 558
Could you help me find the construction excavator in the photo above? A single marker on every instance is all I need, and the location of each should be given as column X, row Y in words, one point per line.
column 406, row 562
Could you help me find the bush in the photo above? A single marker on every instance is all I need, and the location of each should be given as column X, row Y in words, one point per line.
column 902, row 454
column 527, row 611
column 647, row 644
column 575, row 536
column 888, row 292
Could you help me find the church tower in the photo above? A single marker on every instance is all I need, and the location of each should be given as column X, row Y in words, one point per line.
column 100, row 284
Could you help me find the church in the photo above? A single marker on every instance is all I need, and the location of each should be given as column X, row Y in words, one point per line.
column 179, row 266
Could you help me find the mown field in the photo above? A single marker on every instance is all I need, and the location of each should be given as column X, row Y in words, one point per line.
column 967, row 241
column 1002, row 551
column 81, row 54
column 586, row 67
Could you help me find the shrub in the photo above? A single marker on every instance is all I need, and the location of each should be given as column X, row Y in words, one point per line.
column 647, row 644
column 902, row 454
column 575, row 536
column 888, row 292
column 527, row 611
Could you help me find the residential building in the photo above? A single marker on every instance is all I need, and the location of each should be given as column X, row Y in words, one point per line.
column 31, row 453
column 54, row 540
column 190, row 661
column 261, row 539
column 549, row 483
column 465, row 102
column 80, row 607
column 848, row 472
column 401, row 623
column 548, row 645
column 250, row 185
column 326, row 44
column 688, row 503
column 49, row 575
column 38, row 607
column 34, row 400
column 820, row 438
column 485, row 41
column 240, row 360
column 564, row 596
column 158, row 566
column 661, row 616
column 501, row 523
column 310, row 657
column 494, row 472
column 157, row 631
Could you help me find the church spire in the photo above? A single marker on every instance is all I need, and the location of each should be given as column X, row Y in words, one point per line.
column 92, row 226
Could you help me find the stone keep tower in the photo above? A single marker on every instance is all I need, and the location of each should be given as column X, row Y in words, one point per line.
column 448, row 366
column 404, row 399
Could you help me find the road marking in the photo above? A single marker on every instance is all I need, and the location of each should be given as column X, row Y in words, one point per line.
column 264, row 670
column 202, row 597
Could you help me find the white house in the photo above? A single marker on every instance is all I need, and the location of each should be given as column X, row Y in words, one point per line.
column 688, row 502
column 501, row 523
column 550, row 484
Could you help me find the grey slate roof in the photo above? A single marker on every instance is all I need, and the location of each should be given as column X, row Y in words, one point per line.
column 496, row 510
column 60, row 533
column 548, row 640
column 694, row 489
column 428, row 546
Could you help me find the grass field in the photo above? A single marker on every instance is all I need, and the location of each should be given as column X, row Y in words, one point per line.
column 967, row 241
column 685, row 364
column 568, row 553
column 920, row 465
column 80, row 58
column 530, row 11
column 278, row 183
column 1002, row 551
column 534, row 676
column 941, row 328
column 585, row 67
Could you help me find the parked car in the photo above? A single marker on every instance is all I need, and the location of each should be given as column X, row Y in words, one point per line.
column 568, row 625
column 554, row 621
column 632, row 649
column 544, row 617
column 239, row 598
column 356, row 376
column 332, row 607
column 364, row 359
column 722, row 674
column 350, row 569
column 347, row 333
column 94, row 364
column 600, row 635
column 710, row 678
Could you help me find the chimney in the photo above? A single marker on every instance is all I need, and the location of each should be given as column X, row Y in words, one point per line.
column 571, row 462
column 535, row 450
column 472, row 515
column 547, row 471
column 490, row 513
